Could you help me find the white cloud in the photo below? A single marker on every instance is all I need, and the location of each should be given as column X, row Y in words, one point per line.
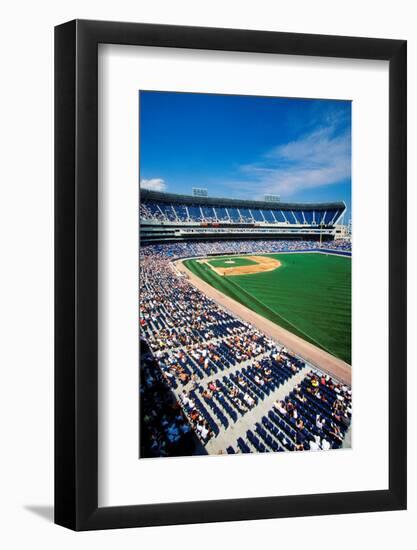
column 318, row 159
column 154, row 184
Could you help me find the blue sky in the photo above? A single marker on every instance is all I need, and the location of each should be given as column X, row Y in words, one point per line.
column 246, row 146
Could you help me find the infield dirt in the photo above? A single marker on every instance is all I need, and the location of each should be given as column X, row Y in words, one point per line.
column 262, row 264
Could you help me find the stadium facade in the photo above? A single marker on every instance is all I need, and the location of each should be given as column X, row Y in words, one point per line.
column 168, row 217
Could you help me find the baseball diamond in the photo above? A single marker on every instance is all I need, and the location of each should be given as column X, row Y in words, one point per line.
column 242, row 266
column 228, row 261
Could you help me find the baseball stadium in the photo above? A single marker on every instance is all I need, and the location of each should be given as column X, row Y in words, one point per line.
column 245, row 325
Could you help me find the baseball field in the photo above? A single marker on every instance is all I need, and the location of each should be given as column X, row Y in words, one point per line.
column 308, row 294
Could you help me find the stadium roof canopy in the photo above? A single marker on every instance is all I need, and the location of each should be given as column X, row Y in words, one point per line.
column 146, row 194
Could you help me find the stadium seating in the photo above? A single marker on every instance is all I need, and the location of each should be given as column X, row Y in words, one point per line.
column 184, row 209
column 198, row 212
column 193, row 249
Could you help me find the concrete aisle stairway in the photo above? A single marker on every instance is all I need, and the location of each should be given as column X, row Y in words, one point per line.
column 229, row 436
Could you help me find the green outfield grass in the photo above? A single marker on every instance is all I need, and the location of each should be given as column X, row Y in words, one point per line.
column 237, row 262
column 310, row 295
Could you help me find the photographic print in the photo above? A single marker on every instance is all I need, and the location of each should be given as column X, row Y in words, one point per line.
column 244, row 274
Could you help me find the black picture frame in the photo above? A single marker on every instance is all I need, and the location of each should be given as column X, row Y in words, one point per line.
column 76, row 272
